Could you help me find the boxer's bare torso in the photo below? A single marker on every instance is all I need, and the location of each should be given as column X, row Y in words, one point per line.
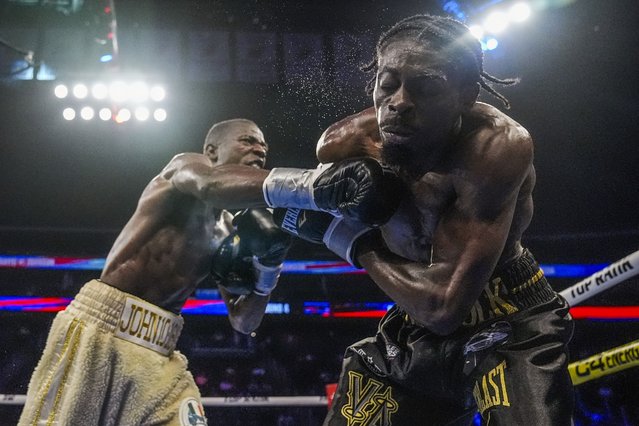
column 486, row 131
column 490, row 153
column 410, row 231
column 165, row 249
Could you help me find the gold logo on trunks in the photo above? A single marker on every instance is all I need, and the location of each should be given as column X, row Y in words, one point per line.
column 370, row 403
column 147, row 325
column 492, row 302
column 492, row 390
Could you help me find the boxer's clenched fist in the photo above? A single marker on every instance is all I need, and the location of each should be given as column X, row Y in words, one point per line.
column 358, row 189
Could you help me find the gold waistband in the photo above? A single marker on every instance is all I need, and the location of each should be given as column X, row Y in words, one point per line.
column 127, row 317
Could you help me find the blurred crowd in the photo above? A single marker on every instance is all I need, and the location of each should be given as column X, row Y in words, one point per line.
column 287, row 357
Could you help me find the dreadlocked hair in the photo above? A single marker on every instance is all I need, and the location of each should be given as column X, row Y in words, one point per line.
column 449, row 36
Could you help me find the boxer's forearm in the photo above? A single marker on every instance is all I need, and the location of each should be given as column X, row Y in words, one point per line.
column 225, row 187
column 421, row 290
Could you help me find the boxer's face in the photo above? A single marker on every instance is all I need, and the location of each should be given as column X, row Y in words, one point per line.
column 418, row 100
column 243, row 144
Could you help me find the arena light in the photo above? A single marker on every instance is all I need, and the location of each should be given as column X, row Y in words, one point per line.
column 496, row 22
column 61, row 91
column 100, row 91
column 116, row 100
column 123, row 116
column 159, row 114
column 118, row 91
column 80, row 91
column 157, row 93
column 87, row 113
column 477, row 31
column 191, row 307
column 68, row 114
column 491, row 44
column 105, row 114
column 139, row 92
column 519, row 12
column 142, row 113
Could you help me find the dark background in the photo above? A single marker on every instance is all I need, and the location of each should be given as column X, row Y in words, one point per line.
column 66, row 188
column 578, row 97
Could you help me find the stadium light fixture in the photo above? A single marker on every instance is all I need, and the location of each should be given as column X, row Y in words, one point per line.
column 68, row 114
column 61, row 91
column 117, row 101
column 80, row 91
column 87, row 113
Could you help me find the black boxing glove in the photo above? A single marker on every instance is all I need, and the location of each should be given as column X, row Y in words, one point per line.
column 340, row 235
column 261, row 236
column 358, row 189
column 267, row 245
column 232, row 266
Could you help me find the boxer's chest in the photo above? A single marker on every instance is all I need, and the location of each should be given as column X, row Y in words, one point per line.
column 410, row 231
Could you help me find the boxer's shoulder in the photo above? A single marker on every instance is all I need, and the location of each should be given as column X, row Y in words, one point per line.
column 185, row 158
column 491, row 140
column 180, row 161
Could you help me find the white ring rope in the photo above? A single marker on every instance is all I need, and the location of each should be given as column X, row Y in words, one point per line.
column 234, row 401
column 575, row 294
column 607, row 278
column 263, row 401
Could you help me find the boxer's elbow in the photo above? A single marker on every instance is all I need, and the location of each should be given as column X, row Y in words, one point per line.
column 243, row 329
column 243, row 324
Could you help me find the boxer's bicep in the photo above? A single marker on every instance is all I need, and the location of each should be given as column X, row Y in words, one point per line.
column 439, row 294
column 230, row 186
column 470, row 237
column 466, row 246
column 465, row 250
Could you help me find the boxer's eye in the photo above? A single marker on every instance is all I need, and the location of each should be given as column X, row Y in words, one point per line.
column 426, row 85
column 431, row 89
column 387, row 83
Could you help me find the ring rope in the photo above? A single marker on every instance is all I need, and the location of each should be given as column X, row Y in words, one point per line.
column 605, row 279
column 593, row 367
column 230, row 401
column 605, row 363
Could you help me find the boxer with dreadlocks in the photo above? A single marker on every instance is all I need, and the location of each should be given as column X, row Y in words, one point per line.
column 476, row 326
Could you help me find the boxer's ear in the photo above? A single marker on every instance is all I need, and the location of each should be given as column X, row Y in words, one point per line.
column 210, row 151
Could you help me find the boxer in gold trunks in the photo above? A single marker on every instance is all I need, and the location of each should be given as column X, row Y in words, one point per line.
column 110, row 358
